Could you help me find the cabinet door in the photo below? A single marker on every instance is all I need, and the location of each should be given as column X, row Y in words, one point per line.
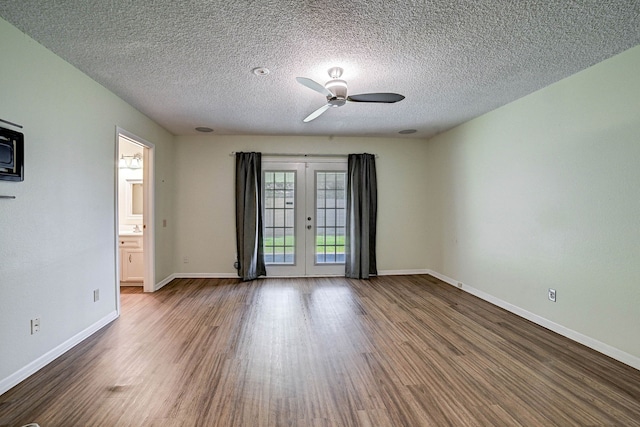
column 132, row 265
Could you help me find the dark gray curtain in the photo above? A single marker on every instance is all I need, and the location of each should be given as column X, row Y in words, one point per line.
column 362, row 210
column 249, row 216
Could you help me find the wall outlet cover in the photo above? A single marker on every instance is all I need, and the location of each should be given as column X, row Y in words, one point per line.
column 35, row 325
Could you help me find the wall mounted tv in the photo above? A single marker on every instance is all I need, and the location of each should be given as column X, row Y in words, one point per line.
column 11, row 155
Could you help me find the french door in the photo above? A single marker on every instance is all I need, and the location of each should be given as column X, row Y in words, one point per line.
column 304, row 211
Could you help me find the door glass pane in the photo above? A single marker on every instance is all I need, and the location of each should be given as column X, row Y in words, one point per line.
column 330, row 214
column 320, row 196
column 279, row 217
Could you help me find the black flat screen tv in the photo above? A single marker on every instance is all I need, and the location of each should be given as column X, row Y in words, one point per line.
column 11, row 155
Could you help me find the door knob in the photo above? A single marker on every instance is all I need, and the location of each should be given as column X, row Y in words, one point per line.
column 308, row 218
column 308, row 227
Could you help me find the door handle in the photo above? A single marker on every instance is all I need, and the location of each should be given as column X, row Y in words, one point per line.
column 129, row 257
column 308, row 227
column 308, row 218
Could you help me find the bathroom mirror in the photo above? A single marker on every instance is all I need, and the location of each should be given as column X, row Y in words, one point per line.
column 134, row 198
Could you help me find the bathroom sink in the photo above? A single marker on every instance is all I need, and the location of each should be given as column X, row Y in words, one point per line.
column 129, row 233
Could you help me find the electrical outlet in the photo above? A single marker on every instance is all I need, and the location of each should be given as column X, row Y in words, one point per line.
column 460, row 285
column 96, row 295
column 552, row 295
column 35, row 325
column 185, row 260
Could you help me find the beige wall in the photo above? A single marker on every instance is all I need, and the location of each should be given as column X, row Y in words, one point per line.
column 205, row 197
column 544, row 193
column 58, row 235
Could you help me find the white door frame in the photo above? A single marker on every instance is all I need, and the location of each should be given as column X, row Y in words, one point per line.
column 297, row 269
column 312, row 267
column 148, row 215
column 304, row 185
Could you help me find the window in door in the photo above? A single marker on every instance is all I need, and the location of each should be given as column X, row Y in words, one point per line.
column 279, row 217
column 330, row 217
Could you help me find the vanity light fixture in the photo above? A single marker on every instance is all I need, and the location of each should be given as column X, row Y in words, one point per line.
column 131, row 162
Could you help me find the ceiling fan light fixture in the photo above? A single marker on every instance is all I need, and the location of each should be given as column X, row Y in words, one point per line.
column 337, row 87
column 335, row 72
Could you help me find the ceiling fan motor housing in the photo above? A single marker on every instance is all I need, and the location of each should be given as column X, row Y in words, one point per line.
column 339, row 90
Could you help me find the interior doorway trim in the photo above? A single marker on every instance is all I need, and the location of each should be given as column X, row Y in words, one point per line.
column 148, row 214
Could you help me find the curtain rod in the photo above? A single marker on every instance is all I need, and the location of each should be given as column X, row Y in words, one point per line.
column 11, row 123
column 233, row 153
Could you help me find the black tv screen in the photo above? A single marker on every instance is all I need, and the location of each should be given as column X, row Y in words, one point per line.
column 11, row 155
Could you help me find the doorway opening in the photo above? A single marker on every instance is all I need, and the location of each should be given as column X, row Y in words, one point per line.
column 134, row 212
column 304, row 211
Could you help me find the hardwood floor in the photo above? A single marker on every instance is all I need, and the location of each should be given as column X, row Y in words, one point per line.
column 392, row 351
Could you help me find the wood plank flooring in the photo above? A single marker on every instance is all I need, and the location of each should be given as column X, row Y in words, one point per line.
column 392, row 351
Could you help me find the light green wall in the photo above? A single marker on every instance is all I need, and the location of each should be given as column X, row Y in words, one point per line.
column 545, row 193
column 205, row 196
column 540, row 193
column 58, row 235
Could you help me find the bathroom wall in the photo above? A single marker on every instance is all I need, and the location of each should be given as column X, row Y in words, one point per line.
column 126, row 222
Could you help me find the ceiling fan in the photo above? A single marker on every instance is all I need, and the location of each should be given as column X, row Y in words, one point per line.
column 336, row 92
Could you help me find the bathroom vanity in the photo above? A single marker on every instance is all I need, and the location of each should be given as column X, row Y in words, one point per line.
column 131, row 259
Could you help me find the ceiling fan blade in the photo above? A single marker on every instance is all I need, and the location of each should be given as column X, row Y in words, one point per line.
column 314, row 85
column 387, row 98
column 317, row 113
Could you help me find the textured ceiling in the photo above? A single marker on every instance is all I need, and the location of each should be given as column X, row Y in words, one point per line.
column 189, row 63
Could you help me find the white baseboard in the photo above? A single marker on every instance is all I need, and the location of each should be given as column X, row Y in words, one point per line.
column 9, row 382
column 14, row 379
column 235, row 276
column 402, row 272
column 206, row 276
column 173, row 276
column 606, row 349
column 164, row 282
